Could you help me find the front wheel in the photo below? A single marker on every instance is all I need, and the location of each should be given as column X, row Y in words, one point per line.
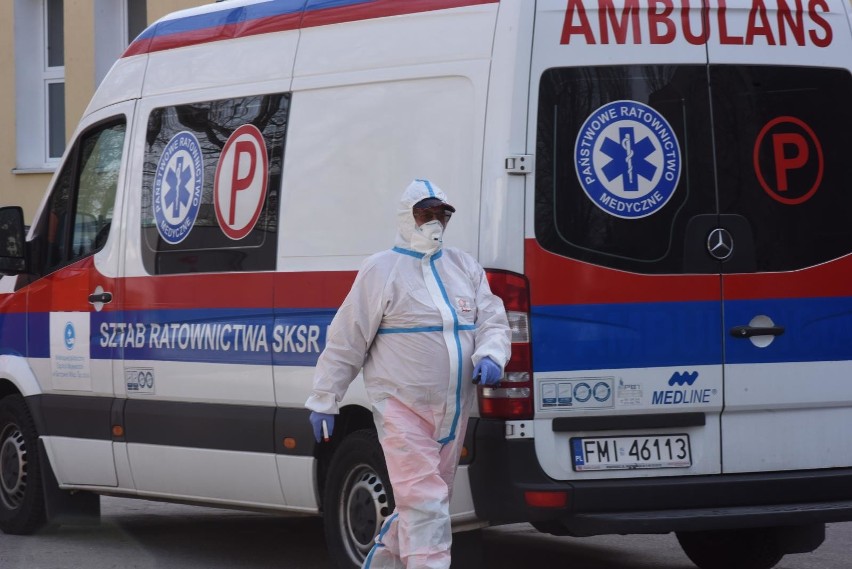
column 732, row 549
column 21, row 497
column 357, row 499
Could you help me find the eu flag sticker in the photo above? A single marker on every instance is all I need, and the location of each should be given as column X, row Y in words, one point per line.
column 627, row 159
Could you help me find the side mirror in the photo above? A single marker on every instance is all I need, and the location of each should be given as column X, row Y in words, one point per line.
column 13, row 244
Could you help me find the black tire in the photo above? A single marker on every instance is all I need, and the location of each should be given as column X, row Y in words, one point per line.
column 357, row 499
column 22, row 508
column 732, row 549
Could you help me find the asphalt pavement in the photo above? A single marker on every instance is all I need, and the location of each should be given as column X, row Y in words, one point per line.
column 136, row 534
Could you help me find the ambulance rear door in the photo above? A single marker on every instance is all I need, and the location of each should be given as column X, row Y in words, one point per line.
column 781, row 92
column 626, row 300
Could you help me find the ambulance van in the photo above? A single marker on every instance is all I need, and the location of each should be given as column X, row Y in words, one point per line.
column 661, row 193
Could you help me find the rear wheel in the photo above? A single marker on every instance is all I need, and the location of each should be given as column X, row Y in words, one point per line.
column 732, row 549
column 21, row 496
column 357, row 499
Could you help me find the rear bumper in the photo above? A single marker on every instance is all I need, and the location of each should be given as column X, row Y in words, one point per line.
column 502, row 471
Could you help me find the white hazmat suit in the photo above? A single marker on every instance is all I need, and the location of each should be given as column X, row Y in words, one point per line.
column 418, row 318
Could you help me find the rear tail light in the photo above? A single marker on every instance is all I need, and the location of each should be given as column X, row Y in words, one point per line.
column 512, row 397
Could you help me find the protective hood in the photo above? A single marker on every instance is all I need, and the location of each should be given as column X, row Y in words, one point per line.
column 416, row 191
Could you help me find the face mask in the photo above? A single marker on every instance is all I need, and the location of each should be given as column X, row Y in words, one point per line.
column 428, row 237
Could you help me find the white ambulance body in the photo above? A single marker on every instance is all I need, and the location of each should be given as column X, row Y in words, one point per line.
column 659, row 190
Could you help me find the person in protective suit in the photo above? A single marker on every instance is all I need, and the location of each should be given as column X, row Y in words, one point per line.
column 422, row 321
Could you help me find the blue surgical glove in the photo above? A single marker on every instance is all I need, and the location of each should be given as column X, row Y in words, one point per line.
column 487, row 372
column 316, row 420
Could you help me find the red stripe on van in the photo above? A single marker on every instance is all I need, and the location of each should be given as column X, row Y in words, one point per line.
column 281, row 23
column 149, row 43
column 68, row 290
column 558, row 280
column 239, row 290
column 830, row 279
column 382, row 9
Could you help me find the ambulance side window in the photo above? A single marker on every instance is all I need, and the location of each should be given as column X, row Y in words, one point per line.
column 210, row 185
column 78, row 215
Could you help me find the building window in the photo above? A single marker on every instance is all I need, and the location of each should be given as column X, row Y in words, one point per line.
column 55, row 119
column 39, row 83
column 54, row 78
column 137, row 19
column 117, row 23
column 55, row 35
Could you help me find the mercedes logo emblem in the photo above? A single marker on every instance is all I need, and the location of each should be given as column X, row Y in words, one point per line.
column 720, row 244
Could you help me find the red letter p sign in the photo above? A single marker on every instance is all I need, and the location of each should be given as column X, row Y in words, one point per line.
column 239, row 190
column 788, row 150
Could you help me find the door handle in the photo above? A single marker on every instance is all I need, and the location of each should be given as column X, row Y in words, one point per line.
column 102, row 297
column 751, row 331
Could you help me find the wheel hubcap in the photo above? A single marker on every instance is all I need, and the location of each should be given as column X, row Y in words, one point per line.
column 364, row 510
column 13, row 467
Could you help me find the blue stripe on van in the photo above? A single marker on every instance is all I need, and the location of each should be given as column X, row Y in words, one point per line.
column 275, row 16
column 240, row 336
column 565, row 337
column 614, row 336
column 639, row 335
column 815, row 329
column 226, row 17
column 12, row 339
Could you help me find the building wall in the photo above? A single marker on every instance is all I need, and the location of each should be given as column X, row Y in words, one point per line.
column 27, row 189
column 159, row 8
column 79, row 60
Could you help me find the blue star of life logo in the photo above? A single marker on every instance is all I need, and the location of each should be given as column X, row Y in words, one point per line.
column 627, row 159
column 69, row 336
column 178, row 184
column 177, row 180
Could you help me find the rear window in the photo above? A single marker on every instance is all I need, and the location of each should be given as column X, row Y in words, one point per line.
column 785, row 160
column 636, row 164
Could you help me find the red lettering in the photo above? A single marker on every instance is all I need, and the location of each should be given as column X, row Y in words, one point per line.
column 608, row 14
column 621, row 25
column 657, row 18
column 792, row 20
column 723, row 27
column 242, row 147
column 758, row 10
column 820, row 21
column 701, row 37
column 784, row 164
column 583, row 28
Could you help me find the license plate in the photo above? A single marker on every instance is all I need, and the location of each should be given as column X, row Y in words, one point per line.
column 626, row 453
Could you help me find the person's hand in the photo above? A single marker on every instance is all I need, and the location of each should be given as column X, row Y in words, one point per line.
column 316, row 420
column 487, row 372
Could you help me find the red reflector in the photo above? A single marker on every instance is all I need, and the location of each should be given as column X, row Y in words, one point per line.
column 546, row 499
column 506, row 408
